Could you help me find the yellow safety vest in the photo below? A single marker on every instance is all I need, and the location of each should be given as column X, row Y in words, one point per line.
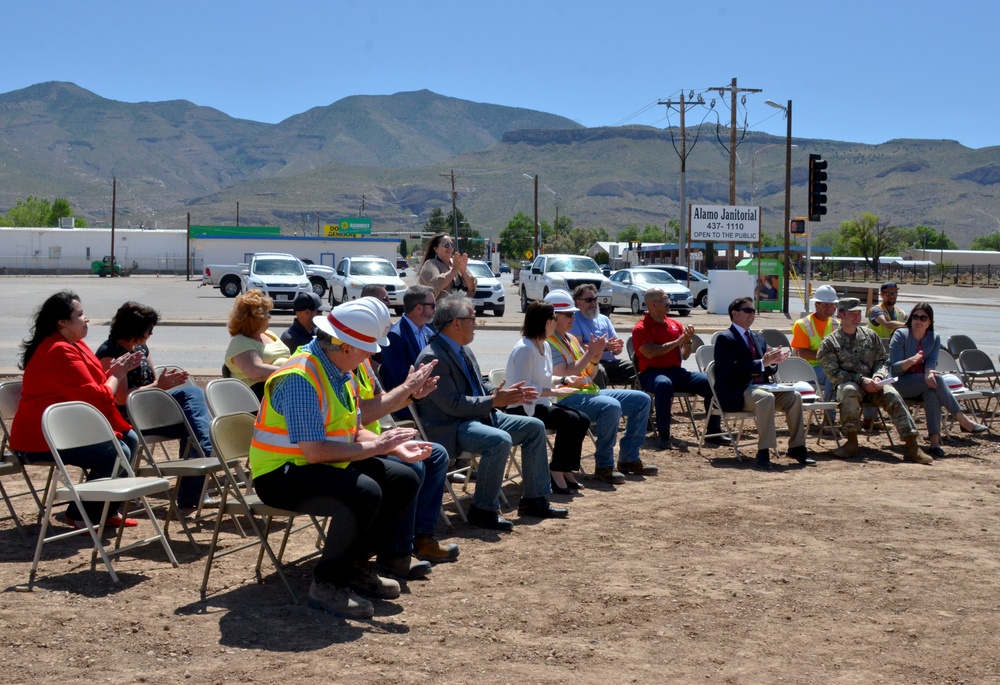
column 809, row 327
column 884, row 331
column 366, row 390
column 572, row 353
column 271, row 447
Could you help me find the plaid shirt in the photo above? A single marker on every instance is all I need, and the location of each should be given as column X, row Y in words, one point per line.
column 294, row 397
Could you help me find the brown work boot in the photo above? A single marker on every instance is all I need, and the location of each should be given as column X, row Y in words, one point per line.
column 428, row 548
column 911, row 452
column 849, row 449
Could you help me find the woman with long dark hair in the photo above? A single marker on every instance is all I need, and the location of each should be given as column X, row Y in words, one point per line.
column 59, row 367
column 444, row 270
column 530, row 362
column 913, row 356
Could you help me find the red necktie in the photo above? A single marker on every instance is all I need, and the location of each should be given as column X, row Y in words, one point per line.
column 756, row 357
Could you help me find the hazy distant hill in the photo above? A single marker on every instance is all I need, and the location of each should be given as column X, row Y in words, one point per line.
column 170, row 158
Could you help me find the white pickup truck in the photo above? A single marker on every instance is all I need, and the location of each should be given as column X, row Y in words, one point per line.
column 226, row 277
column 562, row 272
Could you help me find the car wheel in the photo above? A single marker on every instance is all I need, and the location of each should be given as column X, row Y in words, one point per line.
column 524, row 301
column 480, row 312
column 636, row 307
column 683, row 312
column 318, row 286
column 230, row 287
column 343, row 296
column 702, row 299
column 498, row 311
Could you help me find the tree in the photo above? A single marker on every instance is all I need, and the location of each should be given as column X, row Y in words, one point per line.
column 404, row 248
column 469, row 240
column 990, row 243
column 926, row 238
column 652, row 234
column 630, row 232
column 517, row 237
column 35, row 211
column 575, row 242
column 871, row 238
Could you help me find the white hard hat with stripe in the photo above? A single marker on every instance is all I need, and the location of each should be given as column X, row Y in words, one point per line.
column 562, row 302
column 353, row 323
column 381, row 311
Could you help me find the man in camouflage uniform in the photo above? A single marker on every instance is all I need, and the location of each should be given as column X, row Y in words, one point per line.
column 855, row 360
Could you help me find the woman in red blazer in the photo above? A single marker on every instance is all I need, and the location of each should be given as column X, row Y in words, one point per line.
column 59, row 367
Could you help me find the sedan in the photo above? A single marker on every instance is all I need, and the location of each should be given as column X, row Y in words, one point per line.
column 629, row 286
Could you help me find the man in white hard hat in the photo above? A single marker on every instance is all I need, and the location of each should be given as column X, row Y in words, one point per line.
column 808, row 332
column 310, row 453
column 415, row 535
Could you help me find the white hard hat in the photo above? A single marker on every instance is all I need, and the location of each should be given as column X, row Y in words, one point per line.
column 353, row 323
column 826, row 293
column 561, row 301
column 381, row 311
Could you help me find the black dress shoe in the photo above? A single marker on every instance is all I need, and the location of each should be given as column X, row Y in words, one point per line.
column 539, row 507
column 483, row 518
column 800, row 455
column 722, row 440
column 558, row 490
column 764, row 460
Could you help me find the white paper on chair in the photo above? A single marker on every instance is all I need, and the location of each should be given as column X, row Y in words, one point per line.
column 887, row 381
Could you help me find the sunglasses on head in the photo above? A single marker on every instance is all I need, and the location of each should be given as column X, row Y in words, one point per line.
column 921, row 317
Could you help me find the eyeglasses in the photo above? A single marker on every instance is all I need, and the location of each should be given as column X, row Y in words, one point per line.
column 445, row 245
column 748, row 310
column 465, row 318
column 587, row 299
column 385, row 299
column 920, row 317
column 432, row 305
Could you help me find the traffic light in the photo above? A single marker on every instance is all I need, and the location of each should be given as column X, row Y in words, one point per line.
column 797, row 225
column 817, row 187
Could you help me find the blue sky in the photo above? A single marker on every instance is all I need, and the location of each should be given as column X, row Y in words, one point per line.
column 855, row 71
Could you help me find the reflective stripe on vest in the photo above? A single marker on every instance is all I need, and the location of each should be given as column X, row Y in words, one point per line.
column 271, row 446
column 815, row 338
column 366, row 390
column 571, row 354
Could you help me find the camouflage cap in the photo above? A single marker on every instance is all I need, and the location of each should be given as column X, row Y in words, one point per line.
column 850, row 304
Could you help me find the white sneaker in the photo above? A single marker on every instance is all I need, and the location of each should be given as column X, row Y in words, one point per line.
column 339, row 601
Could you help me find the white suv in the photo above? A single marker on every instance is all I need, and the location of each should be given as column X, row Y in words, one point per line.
column 489, row 291
column 354, row 273
column 279, row 276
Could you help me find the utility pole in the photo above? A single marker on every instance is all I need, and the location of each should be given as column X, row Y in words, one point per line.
column 237, row 213
column 454, row 208
column 114, row 203
column 733, row 90
column 361, row 212
column 683, row 153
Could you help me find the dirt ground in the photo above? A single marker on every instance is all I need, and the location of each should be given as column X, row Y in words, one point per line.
column 865, row 571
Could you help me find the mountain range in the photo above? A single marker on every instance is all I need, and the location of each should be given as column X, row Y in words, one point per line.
column 396, row 156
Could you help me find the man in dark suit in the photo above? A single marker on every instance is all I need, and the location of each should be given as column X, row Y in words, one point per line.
column 742, row 362
column 407, row 337
column 462, row 415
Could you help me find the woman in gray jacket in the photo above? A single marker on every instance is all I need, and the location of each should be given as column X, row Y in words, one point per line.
column 913, row 356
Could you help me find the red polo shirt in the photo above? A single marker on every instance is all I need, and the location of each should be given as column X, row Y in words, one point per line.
column 648, row 331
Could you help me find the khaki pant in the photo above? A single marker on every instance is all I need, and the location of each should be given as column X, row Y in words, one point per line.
column 851, row 396
column 763, row 404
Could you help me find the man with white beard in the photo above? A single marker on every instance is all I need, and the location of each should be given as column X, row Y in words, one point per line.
column 588, row 324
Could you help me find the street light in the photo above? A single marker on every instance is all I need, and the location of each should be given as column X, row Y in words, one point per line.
column 788, row 201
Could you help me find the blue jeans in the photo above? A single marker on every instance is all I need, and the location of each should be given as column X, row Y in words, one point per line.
column 663, row 383
column 98, row 461
column 422, row 514
column 494, row 444
column 605, row 410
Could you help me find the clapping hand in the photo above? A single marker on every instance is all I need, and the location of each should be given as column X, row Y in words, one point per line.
column 388, row 441
column 412, row 451
column 519, row 393
column 125, row 363
column 171, row 378
column 616, row 345
column 420, row 382
column 775, row 355
column 597, row 347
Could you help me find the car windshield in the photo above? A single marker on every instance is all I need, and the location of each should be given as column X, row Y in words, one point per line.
column 650, row 277
column 480, row 270
column 278, row 267
column 579, row 264
column 372, row 267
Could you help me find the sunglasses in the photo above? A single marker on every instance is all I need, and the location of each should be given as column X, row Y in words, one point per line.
column 920, row 317
column 748, row 310
column 432, row 305
column 445, row 245
column 588, row 299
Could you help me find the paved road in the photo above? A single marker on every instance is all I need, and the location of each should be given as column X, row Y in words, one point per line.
column 194, row 335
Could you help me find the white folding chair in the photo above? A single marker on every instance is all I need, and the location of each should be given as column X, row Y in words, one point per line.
column 230, row 396
column 704, row 356
column 72, row 425
column 10, row 398
column 471, row 458
column 715, row 409
column 158, row 419
column 231, row 436
column 775, row 338
column 798, row 370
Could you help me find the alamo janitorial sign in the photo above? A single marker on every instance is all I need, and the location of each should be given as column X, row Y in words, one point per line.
column 724, row 223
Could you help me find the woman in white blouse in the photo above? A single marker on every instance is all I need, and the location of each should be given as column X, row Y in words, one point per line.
column 529, row 362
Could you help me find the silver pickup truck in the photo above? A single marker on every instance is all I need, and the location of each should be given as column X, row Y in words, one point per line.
column 226, row 277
